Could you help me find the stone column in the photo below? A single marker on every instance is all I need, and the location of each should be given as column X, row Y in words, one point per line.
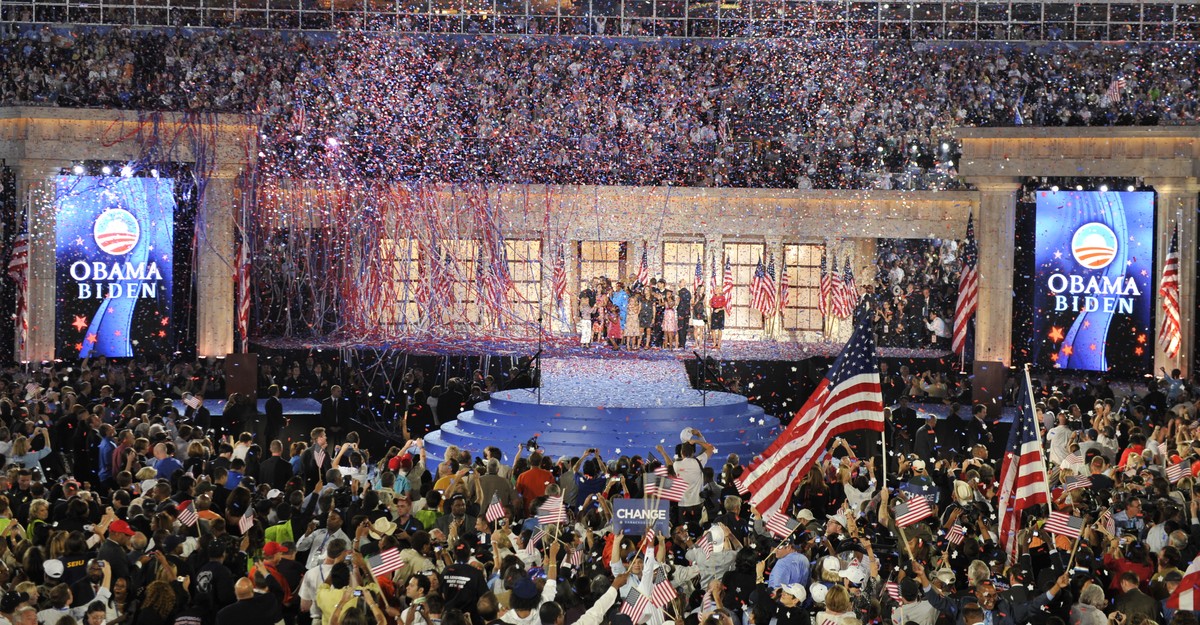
column 215, row 262
column 35, row 200
column 1177, row 199
column 993, row 321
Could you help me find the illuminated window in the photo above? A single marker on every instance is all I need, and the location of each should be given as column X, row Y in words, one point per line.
column 524, row 268
column 401, row 260
column 804, row 278
column 679, row 262
column 601, row 258
column 743, row 258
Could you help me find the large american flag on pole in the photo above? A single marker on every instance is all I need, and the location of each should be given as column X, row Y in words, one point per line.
column 1169, row 335
column 773, row 291
column 643, row 274
column 1023, row 474
column 968, row 289
column 242, row 279
column 849, row 398
column 727, row 287
column 1187, row 594
column 835, row 288
column 559, row 277
column 18, row 270
column 760, row 290
column 785, row 295
column 825, row 286
column 699, row 279
column 845, row 293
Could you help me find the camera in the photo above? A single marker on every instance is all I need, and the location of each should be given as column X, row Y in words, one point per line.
column 532, row 443
column 358, row 593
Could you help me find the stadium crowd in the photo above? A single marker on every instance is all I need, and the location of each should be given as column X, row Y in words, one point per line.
column 119, row 505
column 915, row 291
column 769, row 113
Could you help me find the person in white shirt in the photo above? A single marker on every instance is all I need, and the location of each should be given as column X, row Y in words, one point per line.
column 939, row 332
column 316, row 540
column 1059, row 438
column 690, row 469
column 334, row 551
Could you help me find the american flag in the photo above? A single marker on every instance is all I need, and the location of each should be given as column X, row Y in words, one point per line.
column 956, row 534
column 1170, row 335
column 318, row 457
column 385, row 562
column 1107, row 522
column 727, row 287
column 780, row 524
column 845, row 294
column 740, row 486
column 191, row 401
column 1077, row 483
column 699, row 278
column 666, row 488
column 1064, row 524
column 968, row 289
column 1178, row 471
column 242, row 279
column 1187, row 595
column 559, row 276
column 1071, row 460
column 575, row 558
column 1023, row 473
column 662, row 470
column 773, row 291
column 911, row 511
column 246, row 522
column 893, row 590
column 760, row 290
column 187, row 513
column 1114, row 89
column 552, row 511
column 835, row 288
column 635, row 605
column 18, row 270
column 495, row 510
column 785, row 294
column 643, row 274
column 826, row 287
column 849, row 398
column 664, row 592
column 705, row 543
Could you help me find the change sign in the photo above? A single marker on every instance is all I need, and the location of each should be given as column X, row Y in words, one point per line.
column 634, row 516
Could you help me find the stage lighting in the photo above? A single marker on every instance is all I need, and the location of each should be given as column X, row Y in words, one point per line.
column 945, row 147
column 127, row 172
column 1130, row 188
column 106, row 170
column 1054, row 189
column 78, row 169
column 154, row 173
column 1104, row 188
column 1079, row 187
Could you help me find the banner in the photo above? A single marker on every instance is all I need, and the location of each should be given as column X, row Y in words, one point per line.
column 114, row 254
column 1093, row 281
column 632, row 516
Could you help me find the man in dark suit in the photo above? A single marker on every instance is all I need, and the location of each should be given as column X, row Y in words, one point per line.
column 1132, row 601
column 316, row 459
column 684, row 312
column 274, row 413
column 335, row 413
column 114, row 550
column 275, row 470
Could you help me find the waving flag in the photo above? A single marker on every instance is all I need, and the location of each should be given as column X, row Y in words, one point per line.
column 187, row 513
column 780, row 524
column 1170, row 335
column 911, row 511
column 635, row 605
column 1023, row 473
column 845, row 294
column 551, row 511
column 1064, row 524
column 246, row 522
column 1187, row 594
column 760, row 299
column 385, row 562
column 1178, row 471
column 968, row 289
column 664, row 592
column 849, row 398
column 666, row 488
column 956, row 534
column 835, row 290
column 495, row 510
column 699, row 278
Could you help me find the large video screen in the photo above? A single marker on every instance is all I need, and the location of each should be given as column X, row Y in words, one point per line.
column 115, row 258
column 1093, row 281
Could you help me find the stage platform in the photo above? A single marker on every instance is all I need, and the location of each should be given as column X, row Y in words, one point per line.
column 298, row 407
column 620, row 408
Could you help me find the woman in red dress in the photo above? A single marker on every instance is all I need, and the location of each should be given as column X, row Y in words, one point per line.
column 716, row 320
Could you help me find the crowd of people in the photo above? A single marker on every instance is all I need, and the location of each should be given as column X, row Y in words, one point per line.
column 915, row 291
column 120, row 505
column 763, row 113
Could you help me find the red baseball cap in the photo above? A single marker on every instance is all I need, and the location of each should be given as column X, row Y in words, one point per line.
column 273, row 548
column 120, row 527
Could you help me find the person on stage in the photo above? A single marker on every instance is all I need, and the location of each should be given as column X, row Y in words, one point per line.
column 684, row 313
column 699, row 320
column 716, row 320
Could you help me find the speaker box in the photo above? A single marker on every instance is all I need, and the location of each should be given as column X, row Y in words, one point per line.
column 241, row 374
